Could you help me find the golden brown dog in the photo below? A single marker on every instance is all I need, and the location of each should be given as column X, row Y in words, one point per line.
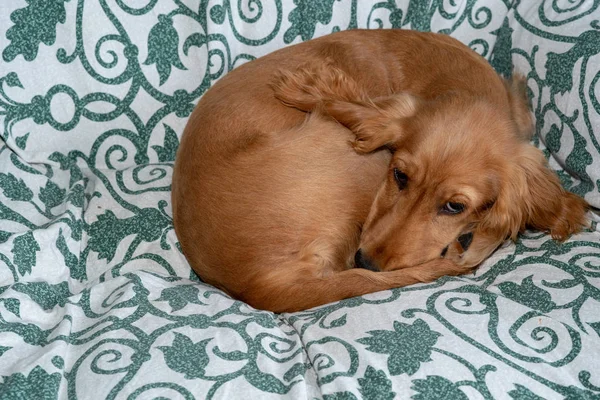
column 398, row 152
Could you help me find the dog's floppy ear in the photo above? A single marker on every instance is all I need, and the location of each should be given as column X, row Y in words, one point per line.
column 376, row 123
column 534, row 197
column 516, row 88
column 326, row 88
column 548, row 206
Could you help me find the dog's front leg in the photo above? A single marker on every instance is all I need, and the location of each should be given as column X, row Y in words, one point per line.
column 295, row 288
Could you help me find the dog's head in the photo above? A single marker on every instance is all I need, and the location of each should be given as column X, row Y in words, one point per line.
column 463, row 178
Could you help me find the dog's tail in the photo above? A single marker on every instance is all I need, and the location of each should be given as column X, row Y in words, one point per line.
column 310, row 86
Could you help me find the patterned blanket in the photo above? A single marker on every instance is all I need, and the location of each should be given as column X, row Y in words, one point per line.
column 96, row 299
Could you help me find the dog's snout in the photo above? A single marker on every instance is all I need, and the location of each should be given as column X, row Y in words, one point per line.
column 362, row 261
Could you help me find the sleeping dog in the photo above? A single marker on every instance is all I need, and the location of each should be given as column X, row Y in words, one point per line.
column 358, row 162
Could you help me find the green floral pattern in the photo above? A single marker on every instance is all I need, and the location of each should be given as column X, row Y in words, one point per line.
column 557, row 46
column 96, row 299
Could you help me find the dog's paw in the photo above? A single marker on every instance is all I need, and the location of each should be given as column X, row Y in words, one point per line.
column 363, row 145
column 435, row 269
column 369, row 136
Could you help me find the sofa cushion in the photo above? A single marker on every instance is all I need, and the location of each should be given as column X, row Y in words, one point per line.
column 97, row 301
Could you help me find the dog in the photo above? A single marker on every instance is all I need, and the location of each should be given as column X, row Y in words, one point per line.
column 358, row 162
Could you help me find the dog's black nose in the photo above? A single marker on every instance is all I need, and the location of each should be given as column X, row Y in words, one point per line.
column 361, row 261
column 465, row 240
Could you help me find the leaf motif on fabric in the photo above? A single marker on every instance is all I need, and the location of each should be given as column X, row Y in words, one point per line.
column 77, row 229
column 46, row 295
column 4, row 349
column 553, row 137
column 77, row 270
column 21, row 141
column 418, row 15
column 528, row 294
column 67, row 163
column 24, row 249
column 595, row 326
column 435, row 387
column 193, row 277
column 33, row 25
column 559, row 66
column 501, row 58
column 217, row 14
column 77, row 195
column 52, row 195
column 108, row 231
column 396, row 15
column 305, row 16
column 12, row 305
column 64, row 161
column 167, row 151
column 182, row 103
column 577, row 162
column 33, row 334
column 559, row 71
column 575, row 393
column 4, row 236
column 180, row 296
column 58, row 362
column 196, row 39
column 12, row 80
column 336, row 323
column 375, row 385
column 15, row 189
column 37, row 385
column 522, row 393
column 408, row 345
column 186, row 357
column 163, row 42
column 150, row 223
column 235, row 355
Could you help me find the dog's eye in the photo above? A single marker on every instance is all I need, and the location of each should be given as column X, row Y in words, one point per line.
column 401, row 178
column 453, row 208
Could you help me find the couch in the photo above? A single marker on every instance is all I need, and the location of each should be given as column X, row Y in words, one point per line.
column 97, row 300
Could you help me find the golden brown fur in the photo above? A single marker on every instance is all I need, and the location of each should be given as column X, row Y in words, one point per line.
column 359, row 140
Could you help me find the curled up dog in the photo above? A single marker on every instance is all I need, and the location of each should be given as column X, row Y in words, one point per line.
column 358, row 162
